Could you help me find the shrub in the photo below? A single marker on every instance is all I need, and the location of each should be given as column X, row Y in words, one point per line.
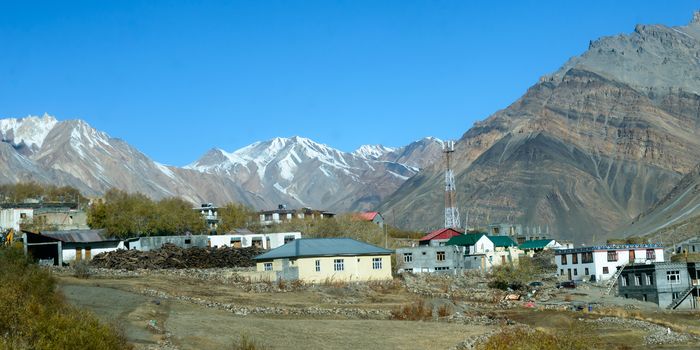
column 444, row 311
column 81, row 269
column 417, row 311
column 247, row 343
column 577, row 336
column 34, row 316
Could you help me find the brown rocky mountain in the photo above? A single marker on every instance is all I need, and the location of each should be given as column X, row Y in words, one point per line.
column 674, row 218
column 586, row 149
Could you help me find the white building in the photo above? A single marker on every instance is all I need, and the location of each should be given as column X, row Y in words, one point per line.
column 11, row 218
column 261, row 240
column 599, row 263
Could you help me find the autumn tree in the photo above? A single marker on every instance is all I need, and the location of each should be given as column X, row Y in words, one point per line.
column 233, row 216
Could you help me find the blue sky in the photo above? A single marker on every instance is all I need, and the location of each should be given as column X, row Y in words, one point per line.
column 176, row 78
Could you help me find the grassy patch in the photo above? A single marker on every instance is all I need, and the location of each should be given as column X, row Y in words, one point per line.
column 34, row 316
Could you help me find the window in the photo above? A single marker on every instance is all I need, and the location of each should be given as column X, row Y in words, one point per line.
column 440, row 256
column 606, row 270
column 649, row 279
column 188, row 241
column 441, row 268
column 318, row 265
column 637, row 280
column 22, row 215
column 574, row 258
column 575, row 272
column 673, row 277
column 563, row 259
column 651, row 254
column 408, row 270
column 623, row 281
column 585, row 272
column 338, row 265
column 561, row 272
column 587, row 257
column 268, row 266
column 376, row 263
column 288, row 239
column 675, row 295
column 408, row 257
column 612, row 255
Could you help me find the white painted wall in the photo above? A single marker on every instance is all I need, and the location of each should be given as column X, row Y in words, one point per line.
column 276, row 239
column 70, row 253
column 11, row 218
column 482, row 246
column 600, row 261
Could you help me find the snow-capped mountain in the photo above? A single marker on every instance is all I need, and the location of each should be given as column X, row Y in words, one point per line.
column 73, row 153
column 295, row 171
column 26, row 133
column 418, row 154
column 299, row 171
column 374, row 152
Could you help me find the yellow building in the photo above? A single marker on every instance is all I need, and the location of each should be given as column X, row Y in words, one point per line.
column 327, row 259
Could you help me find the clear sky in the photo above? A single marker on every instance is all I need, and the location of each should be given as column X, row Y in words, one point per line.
column 176, row 78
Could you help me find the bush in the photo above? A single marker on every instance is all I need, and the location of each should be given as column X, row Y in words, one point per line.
column 418, row 311
column 34, row 316
column 81, row 269
column 247, row 343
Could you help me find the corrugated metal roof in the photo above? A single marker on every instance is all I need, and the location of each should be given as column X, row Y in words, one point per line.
column 368, row 216
column 465, row 240
column 80, row 236
column 309, row 247
column 535, row 244
column 502, row 241
column 444, row 233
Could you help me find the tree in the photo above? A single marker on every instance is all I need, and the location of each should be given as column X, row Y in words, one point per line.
column 233, row 216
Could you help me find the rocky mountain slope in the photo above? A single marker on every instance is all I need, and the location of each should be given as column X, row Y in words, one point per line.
column 586, row 149
column 675, row 217
column 300, row 172
column 295, row 171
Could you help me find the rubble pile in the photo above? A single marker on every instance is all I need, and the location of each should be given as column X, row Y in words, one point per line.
column 171, row 256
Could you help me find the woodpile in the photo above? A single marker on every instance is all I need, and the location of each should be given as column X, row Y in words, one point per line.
column 170, row 256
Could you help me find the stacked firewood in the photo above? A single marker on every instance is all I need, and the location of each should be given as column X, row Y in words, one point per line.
column 170, row 256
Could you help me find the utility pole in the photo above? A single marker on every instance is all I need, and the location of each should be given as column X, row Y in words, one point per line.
column 452, row 219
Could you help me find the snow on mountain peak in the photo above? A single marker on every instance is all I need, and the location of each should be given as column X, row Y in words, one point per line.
column 373, row 152
column 32, row 130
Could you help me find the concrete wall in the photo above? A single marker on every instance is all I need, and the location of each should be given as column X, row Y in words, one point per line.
column 424, row 259
column 355, row 268
column 597, row 268
column 70, row 249
column 155, row 242
column 650, row 283
column 11, row 218
column 269, row 240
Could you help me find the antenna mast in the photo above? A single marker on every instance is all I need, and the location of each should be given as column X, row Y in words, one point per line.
column 451, row 213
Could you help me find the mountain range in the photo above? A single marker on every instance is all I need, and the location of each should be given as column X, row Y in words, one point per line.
column 295, row 171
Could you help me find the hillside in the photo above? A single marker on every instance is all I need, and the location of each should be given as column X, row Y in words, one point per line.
column 585, row 149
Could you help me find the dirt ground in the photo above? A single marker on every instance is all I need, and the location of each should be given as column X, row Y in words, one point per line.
column 183, row 311
column 198, row 327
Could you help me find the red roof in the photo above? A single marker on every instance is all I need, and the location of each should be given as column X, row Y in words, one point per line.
column 367, row 216
column 443, row 233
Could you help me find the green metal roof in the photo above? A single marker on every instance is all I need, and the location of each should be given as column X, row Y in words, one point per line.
column 310, row 247
column 465, row 240
column 502, row 241
column 535, row 244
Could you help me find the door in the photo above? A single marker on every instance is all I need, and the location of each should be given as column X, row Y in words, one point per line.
column 569, row 274
column 632, row 256
column 88, row 254
column 503, row 259
column 78, row 254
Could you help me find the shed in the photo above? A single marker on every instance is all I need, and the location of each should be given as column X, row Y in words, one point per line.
column 439, row 237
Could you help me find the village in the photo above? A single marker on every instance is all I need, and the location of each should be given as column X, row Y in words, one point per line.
column 477, row 281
